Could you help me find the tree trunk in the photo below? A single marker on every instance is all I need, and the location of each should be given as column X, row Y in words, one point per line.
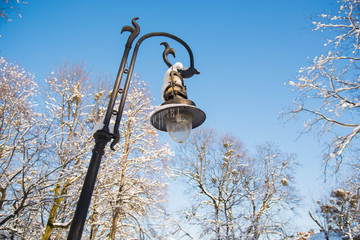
column 114, row 225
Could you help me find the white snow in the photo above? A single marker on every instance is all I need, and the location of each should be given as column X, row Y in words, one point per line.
column 99, row 125
column 166, row 82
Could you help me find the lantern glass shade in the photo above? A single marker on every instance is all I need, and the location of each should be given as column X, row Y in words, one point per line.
column 178, row 124
column 177, row 119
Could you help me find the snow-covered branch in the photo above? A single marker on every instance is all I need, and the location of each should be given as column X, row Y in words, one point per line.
column 328, row 89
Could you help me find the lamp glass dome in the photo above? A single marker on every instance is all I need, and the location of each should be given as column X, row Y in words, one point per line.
column 178, row 124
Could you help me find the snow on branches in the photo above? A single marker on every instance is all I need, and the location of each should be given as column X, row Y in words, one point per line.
column 20, row 146
column 328, row 89
column 45, row 149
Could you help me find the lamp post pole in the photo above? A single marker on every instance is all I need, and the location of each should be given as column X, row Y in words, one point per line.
column 104, row 135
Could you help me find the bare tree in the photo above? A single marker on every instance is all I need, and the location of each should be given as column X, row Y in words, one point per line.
column 213, row 170
column 328, row 89
column 70, row 103
column 269, row 192
column 243, row 194
column 21, row 142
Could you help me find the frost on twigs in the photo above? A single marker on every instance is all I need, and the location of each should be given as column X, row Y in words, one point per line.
column 21, row 141
column 328, row 88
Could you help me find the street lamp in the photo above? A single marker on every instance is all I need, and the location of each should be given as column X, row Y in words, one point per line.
column 177, row 115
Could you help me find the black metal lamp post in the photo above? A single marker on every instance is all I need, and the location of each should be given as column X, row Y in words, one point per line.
column 177, row 115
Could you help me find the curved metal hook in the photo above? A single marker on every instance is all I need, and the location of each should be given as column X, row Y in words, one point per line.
column 186, row 73
column 116, row 137
column 133, row 30
column 189, row 72
column 166, row 52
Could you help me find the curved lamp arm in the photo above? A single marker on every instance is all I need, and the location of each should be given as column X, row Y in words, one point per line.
column 187, row 73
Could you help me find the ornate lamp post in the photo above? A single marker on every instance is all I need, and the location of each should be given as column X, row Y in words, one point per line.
column 177, row 115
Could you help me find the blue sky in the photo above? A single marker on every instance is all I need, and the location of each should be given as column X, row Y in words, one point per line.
column 244, row 50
